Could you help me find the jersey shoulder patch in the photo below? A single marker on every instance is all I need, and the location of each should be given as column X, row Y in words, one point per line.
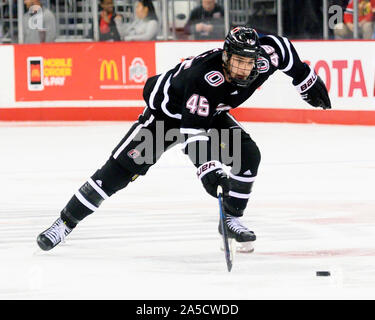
column 263, row 65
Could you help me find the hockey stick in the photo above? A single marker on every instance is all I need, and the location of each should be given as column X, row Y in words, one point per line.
column 227, row 251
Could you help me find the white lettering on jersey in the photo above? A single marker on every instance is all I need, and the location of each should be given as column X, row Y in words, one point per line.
column 198, row 104
column 269, row 50
column 273, row 55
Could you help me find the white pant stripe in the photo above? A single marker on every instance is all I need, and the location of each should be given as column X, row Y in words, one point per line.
column 133, row 134
column 239, row 195
column 194, row 139
column 234, row 119
column 242, row 179
column 82, row 199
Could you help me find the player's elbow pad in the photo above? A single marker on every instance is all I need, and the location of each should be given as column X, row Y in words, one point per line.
column 313, row 90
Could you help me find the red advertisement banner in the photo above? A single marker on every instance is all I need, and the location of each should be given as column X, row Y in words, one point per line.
column 83, row 71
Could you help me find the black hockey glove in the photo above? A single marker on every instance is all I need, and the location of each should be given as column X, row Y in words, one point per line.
column 314, row 91
column 212, row 175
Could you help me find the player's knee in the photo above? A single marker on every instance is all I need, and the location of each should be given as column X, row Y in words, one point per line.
column 104, row 183
column 112, row 177
column 255, row 156
column 251, row 158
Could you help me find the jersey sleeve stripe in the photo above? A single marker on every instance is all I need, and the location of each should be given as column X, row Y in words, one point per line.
column 156, row 88
column 279, row 44
column 166, row 99
column 291, row 59
column 286, row 52
column 183, row 64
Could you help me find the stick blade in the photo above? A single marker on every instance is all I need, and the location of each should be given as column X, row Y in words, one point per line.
column 227, row 250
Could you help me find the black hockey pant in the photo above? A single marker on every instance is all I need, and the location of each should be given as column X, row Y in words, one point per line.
column 132, row 157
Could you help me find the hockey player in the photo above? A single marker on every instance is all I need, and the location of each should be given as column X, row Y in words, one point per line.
column 195, row 97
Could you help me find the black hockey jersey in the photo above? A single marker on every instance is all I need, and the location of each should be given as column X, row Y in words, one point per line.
column 195, row 91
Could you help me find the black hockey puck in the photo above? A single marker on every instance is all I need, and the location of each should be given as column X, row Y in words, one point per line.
column 323, row 273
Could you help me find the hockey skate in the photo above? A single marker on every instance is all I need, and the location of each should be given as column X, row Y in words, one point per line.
column 240, row 237
column 55, row 234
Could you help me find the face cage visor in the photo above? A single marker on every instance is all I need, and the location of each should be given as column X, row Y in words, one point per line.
column 253, row 74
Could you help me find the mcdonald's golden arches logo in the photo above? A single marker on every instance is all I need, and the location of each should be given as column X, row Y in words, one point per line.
column 108, row 68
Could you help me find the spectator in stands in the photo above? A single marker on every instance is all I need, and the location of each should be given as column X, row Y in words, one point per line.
column 206, row 21
column 107, row 26
column 303, row 19
column 39, row 23
column 145, row 25
column 366, row 15
column 342, row 3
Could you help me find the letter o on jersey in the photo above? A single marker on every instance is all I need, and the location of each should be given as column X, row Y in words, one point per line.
column 214, row 78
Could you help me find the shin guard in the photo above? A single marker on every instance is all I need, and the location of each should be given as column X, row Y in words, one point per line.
column 105, row 182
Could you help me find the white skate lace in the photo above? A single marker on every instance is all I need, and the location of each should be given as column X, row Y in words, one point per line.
column 57, row 232
column 235, row 225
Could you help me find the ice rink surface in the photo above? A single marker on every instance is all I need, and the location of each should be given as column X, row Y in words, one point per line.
column 312, row 208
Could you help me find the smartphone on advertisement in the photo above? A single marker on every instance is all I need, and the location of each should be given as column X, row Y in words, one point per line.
column 35, row 73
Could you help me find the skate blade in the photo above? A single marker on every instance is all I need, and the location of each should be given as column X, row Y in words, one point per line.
column 244, row 247
column 238, row 247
